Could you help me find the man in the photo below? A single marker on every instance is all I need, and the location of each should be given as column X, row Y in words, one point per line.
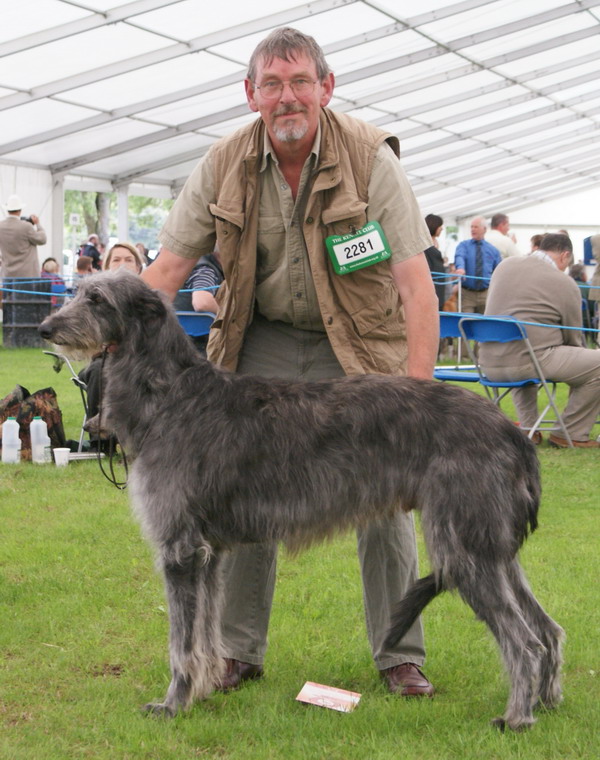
column 498, row 236
column 19, row 239
column 477, row 259
column 272, row 194
column 91, row 249
column 533, row 288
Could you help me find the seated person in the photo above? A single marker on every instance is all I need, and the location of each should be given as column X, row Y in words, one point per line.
column 83, row 268
column 533, row 288
column 198, row 292
column 50, row 271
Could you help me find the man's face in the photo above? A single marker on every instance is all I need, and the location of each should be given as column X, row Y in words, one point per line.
column 477, row 229
column 289, row 117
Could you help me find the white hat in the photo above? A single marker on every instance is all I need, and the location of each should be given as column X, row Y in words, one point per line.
column 14, row 203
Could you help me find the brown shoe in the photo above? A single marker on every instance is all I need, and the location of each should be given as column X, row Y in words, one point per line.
column 562, row 443
column 407, row 680
column 236, row 672
column 536, row 438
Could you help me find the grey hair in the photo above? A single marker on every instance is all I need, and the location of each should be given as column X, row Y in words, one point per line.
column 287, row 43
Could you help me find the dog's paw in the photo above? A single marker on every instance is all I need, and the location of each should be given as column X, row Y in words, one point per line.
column 514, row 725
column 160, row 709
column 549, row 702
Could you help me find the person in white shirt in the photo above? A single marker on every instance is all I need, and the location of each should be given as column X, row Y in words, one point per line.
column 498, row 236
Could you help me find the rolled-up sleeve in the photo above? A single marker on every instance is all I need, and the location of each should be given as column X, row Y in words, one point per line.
column 393, row 204
column 189, row 230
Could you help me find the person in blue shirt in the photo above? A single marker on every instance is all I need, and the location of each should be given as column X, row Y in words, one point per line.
column 476, row 259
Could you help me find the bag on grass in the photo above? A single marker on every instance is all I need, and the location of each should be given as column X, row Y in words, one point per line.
column 24, row 406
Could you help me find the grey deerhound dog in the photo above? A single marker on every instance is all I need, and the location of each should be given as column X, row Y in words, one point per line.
column 222, row 459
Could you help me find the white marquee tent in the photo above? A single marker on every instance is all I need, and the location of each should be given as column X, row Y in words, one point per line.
column 496, row 102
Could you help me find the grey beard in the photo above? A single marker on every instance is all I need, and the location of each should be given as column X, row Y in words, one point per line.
column 290, row 134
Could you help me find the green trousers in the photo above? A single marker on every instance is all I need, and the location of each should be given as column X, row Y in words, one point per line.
column 387, row 549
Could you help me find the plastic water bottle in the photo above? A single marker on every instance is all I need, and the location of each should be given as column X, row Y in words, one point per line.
column 11, row 443
column 41, row 452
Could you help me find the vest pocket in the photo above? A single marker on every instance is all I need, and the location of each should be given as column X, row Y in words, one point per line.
column 226, row 221
column 345, row 220
column 382, row 318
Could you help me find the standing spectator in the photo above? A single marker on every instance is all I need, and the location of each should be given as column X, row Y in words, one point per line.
column 435, row 260
column 498, row 236
column 534, row 289
column 477, row 259
column 272, row 194
column 91, row 249
column 19, row 239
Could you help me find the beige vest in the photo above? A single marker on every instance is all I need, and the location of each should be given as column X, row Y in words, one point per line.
column 361, row 311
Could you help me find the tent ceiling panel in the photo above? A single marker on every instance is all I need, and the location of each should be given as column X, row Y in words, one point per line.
column 18, row 123
column 41, row 15
column 155, row 155
column 90, row 141
column 73, row 54
column 150, row 82
column 495, row 101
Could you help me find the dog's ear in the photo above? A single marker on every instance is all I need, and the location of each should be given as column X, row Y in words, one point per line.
column 151, row 305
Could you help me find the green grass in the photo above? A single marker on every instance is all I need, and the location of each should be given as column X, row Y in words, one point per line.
column 83, row 633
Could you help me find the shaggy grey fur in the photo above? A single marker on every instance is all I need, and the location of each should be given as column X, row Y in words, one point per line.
column 222, row 459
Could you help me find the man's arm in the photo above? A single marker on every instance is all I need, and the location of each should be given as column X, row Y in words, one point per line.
column 459, row 259
column 37, row 234
column 168, row 272
column 415, row 286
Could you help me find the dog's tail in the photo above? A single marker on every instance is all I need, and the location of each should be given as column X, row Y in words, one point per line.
column 409, row 609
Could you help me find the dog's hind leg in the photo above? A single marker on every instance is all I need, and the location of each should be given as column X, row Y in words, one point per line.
column 193, row 592
column 547, row 630
column 490, row 594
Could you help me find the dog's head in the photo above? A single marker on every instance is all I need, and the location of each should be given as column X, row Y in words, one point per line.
column 109, row 308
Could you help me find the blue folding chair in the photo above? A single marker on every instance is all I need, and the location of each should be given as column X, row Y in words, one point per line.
column 196, row 323
column 506, row 330
column 449, row 328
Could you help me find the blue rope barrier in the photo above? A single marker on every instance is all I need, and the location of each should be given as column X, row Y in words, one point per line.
column 473, row 315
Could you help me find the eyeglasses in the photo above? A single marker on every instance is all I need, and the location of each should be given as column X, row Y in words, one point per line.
column 272, row 89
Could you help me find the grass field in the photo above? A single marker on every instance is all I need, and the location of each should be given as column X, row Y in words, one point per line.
column 83, row 633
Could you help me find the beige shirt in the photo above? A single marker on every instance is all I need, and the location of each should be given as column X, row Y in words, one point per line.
column 503, row 243
column 284, row 285
column 18, row 243
column 532, row 289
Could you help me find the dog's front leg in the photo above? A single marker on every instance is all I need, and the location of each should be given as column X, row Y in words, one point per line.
column 193, row 591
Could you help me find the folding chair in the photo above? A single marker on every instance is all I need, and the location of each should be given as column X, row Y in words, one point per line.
column 196, row 323
column 506, row 330
column 449, row 328
column 59, row 360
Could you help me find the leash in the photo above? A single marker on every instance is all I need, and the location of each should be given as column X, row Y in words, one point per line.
column 112, row 478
